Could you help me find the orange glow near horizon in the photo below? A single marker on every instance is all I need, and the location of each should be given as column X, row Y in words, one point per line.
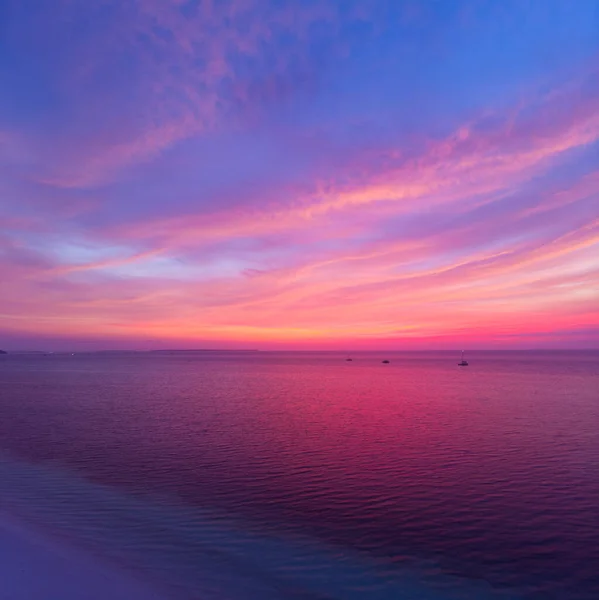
column 262, row 201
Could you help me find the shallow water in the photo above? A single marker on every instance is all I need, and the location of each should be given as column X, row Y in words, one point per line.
column 302, row 475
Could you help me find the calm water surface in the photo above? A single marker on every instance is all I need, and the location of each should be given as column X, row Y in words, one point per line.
column 301, row 475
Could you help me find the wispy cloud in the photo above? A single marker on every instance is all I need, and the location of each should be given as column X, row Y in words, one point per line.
column 200, row 170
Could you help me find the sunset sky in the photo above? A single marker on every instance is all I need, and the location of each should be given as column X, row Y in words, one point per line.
column 299, row 174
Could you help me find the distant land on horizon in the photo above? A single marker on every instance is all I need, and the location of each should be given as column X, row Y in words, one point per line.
column 204, row 350
column 109, row 351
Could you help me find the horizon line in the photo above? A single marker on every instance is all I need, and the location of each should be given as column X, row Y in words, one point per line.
column 256, row 350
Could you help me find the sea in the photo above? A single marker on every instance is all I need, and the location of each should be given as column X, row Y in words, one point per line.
column 306, row 476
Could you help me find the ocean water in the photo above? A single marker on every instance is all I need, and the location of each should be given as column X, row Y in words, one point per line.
column 304, row 476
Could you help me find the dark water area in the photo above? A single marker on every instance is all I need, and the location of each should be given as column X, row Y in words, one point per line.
column 473, row 482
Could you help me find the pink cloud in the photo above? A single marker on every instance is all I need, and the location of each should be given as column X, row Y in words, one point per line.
column 411, row 241
column 186, row 81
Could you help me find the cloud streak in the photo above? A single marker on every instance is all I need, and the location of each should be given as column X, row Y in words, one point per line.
column 201, row 172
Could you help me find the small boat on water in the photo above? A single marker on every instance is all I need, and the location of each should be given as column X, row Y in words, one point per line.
column 463, row 362
column 385, row 362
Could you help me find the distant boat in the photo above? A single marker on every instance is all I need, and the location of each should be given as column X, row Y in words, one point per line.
column 463, row 363
column 385, row 362
column 349, row 358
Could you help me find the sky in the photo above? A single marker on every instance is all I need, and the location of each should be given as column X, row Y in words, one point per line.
column 297, row 174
